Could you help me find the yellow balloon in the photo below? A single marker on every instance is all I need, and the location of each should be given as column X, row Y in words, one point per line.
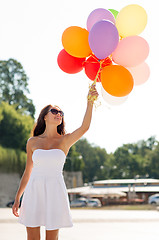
column 131, row 20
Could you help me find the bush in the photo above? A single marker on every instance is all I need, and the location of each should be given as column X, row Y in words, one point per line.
column 12, row 160
column 15, row 127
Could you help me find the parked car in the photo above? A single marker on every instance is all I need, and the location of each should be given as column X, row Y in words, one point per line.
column 154, row 199
column 94, row 202
column 84, row 202
column 78, row 203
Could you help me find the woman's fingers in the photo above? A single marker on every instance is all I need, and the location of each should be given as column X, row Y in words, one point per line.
column 94, row 92
column 15, row 210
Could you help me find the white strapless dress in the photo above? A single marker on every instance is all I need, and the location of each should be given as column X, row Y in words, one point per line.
column 45, row 200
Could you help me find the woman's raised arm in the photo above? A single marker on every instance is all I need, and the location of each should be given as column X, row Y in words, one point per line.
column 78, row 133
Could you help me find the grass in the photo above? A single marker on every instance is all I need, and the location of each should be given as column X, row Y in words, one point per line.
column 123, row 207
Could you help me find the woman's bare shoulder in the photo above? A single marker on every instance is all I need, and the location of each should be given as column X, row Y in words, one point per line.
column 31, row 142
column 66, row 135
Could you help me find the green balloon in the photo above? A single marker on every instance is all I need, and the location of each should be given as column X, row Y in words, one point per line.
column 114, row 12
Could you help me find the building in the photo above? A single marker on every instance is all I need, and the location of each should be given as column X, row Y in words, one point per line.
column 119, row 191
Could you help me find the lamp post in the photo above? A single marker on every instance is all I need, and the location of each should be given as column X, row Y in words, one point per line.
column 134, row 185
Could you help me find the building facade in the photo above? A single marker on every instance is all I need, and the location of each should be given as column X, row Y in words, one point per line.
column 118, row 191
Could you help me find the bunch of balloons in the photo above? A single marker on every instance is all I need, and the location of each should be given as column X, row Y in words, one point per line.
column 109, row 50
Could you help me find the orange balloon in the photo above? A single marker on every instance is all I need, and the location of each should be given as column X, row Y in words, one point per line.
column 117, row 80
column 75, row 42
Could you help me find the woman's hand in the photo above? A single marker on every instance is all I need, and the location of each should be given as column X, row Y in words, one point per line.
column 15, row 208
column 92, row 94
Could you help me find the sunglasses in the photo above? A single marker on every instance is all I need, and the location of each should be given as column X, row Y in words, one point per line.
column 55, row 112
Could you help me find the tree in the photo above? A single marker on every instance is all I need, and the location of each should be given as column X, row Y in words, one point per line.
column 74, row 161
column 94, row 158
column 153, row 168
column 14, row 86
column 12, row 160
column 15, row 128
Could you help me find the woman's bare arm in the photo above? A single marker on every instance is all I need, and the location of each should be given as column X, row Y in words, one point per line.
column 24, row 179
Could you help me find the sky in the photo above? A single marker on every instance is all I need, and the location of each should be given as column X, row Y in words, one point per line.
column 31, row 31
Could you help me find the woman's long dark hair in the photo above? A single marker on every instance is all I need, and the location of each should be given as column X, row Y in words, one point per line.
column 40, row 125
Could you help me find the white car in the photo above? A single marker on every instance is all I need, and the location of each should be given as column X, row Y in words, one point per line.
column 154, row 199
column 84, row 202
column 94, row 202
column 78, row 203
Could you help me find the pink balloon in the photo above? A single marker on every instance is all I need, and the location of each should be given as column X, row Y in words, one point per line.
column 131, row 51
column 98, row 15
column 140, row 73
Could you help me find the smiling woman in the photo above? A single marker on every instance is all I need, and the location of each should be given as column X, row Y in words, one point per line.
column 41, row 125
column 45, row 200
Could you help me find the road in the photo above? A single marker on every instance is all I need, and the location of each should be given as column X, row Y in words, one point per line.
column 92, row 225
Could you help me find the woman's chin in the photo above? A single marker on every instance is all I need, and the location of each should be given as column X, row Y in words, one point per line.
column 58, row 121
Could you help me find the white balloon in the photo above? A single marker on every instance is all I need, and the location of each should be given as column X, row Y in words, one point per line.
column 112, row 100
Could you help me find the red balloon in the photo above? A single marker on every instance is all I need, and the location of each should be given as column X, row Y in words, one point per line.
column 92, row 65
column 68, row 63
column 106, row 62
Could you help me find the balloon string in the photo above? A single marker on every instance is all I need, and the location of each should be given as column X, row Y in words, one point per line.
column 91, row 88
column 99, row 70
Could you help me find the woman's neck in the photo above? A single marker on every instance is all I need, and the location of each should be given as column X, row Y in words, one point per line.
column 51, row 131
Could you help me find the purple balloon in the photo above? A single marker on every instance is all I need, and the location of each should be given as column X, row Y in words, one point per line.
column 103, row 39
column 98, row 15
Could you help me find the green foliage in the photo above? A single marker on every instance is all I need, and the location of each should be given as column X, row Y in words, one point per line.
column 128, row 161
column 74, row 161
column 15, row 128
column 153, row 167
column 14, row 86
column 12, row 160
column 127, row 165
column 94, row 157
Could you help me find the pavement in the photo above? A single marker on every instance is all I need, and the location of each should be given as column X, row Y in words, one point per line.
column 91, row 224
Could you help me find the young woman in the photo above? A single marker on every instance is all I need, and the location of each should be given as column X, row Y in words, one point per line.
column 45, row 200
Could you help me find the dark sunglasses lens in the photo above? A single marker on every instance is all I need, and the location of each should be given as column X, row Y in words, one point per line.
column 61, row 113
column 55, row 111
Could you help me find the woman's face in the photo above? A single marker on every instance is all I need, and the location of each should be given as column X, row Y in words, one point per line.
column 54, row 116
